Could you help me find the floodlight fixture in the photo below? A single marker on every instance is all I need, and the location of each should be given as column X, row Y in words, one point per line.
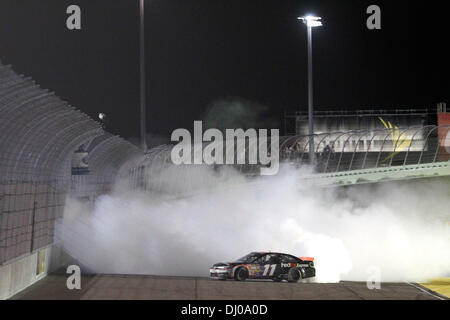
column 311, row 21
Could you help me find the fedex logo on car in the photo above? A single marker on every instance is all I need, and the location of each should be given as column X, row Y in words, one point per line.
column 291, row 265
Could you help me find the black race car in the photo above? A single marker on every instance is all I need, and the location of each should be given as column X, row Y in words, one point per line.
column 265, row 265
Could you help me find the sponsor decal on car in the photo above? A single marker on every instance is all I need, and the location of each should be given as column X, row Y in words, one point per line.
column 293, row 265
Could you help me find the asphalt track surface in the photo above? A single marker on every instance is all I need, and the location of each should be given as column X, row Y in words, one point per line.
column 140, row 287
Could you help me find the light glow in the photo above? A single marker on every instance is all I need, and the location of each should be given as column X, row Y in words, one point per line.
column 311, row 21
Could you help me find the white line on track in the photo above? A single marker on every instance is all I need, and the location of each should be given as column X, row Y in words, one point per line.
column 421, row 289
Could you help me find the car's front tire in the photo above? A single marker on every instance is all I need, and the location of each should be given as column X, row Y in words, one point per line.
column 294, row 275
column 241, row 274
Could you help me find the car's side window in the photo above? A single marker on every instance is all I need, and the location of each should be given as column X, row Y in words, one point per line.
column 276, row 259
column 260, row 260
column 264, row 259
column 287, row 259
column 270, row 258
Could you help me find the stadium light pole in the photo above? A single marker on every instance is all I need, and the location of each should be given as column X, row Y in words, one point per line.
column 142, row 76
column 311, row 22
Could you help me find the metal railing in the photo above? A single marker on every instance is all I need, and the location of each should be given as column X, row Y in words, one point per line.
column 364, row 149
column 334, row 152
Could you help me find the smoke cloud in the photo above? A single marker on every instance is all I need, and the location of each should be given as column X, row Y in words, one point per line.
column 237, row 112
column 398, row 228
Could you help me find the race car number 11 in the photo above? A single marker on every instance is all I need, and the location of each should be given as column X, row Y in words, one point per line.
column 269, row 269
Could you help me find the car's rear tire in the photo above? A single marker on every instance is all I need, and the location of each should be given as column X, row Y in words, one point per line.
column 294, row 275
column 241, row 274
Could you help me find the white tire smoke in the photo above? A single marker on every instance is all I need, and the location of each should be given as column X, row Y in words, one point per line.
column 399, row 228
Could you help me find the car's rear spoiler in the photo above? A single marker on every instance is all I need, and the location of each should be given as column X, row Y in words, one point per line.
column 307, row 258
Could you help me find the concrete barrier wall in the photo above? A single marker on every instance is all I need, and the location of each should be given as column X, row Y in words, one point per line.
column 23, row 272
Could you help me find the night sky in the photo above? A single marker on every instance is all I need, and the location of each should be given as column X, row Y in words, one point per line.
column 203, row 52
